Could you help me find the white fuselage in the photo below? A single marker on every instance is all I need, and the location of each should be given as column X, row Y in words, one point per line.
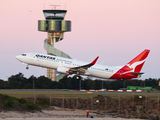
column 53, row 62
column 69, row 66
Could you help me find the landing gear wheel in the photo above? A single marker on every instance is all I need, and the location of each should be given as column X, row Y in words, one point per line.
column 77, row 77
column 27, row 67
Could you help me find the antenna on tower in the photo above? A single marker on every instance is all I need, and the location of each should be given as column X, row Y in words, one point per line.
column 55, row 6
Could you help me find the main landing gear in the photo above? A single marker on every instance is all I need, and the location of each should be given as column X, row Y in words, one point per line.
column 77, row 77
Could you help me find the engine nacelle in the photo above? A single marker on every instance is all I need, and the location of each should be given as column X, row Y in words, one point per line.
column 62, row 69
column 87, row 73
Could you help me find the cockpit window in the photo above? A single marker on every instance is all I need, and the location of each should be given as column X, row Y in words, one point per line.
column 23, row 54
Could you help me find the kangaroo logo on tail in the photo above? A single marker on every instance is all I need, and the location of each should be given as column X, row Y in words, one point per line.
column 134, row 65
column 133, row 68
column 137, row 62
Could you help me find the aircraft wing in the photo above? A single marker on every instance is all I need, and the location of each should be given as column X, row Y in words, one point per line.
column 82, row 69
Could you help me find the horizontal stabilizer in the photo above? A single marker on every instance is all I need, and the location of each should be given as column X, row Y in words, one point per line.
column 136, row 73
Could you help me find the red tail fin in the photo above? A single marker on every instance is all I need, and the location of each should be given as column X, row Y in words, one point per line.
column 133, row 68
column 137, row 62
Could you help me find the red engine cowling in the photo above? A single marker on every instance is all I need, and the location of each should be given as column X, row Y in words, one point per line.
column 62, row 69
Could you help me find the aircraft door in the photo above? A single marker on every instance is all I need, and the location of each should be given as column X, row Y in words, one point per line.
column 32, row 59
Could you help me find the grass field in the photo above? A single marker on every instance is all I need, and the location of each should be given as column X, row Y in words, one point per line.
column 50, row 94
column 54, row 94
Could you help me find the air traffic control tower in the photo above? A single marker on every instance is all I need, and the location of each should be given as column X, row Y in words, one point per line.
column 55, row 26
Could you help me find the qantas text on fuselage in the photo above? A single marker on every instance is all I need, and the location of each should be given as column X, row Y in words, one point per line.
column 71, row 66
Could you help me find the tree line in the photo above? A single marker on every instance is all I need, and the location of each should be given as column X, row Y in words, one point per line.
column 18, row 81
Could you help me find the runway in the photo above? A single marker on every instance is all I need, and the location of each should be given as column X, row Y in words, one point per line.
column 72, row 91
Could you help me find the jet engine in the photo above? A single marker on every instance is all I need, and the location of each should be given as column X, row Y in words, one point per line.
column 63, row 69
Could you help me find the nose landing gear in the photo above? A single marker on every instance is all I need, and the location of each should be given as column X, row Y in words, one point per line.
column 27, row 67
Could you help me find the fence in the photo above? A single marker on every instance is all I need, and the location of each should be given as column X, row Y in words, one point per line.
column 123, row 105
column 101, row 102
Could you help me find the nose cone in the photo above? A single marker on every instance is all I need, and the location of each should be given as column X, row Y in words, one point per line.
column 18, row 57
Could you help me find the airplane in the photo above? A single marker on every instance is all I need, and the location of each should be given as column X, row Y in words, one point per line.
column 71, row 66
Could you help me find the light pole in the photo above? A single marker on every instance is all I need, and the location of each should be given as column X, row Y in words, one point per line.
column 124, row 83
column 102, row 84
column 80, row 84
column 33, row 84
column 141, row 83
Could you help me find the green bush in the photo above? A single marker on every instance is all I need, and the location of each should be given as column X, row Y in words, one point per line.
column 9, row 103
column 32, row 106
column 12, row 103
column 44, row 106
column 22, row 101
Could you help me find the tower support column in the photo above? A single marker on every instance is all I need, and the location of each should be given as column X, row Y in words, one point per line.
column 55, row 26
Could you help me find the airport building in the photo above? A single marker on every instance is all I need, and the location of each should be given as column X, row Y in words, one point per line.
column 55, row 26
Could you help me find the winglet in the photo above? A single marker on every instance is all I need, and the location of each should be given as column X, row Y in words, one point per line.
column 103, row 62
column 94, row 61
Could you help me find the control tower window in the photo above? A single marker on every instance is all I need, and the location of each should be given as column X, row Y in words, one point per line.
column 54, row 14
